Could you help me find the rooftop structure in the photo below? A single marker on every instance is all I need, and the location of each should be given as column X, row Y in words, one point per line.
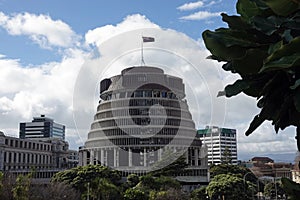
column 42, row 127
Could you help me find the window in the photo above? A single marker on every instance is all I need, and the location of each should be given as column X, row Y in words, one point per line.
column 148, row 93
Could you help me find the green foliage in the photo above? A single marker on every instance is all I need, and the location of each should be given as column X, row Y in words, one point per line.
column 171, row 194
column 21, row 188
column 291, row 188
column 169, row 165
column 226, row 156
column 148, row 182
column 79, row 177
column 262, row 45
column 228, row 186
column 132, row 180
column 239, row 171
column 94, row 180
column 271, row 190
column 135, row 194
column 199, row 194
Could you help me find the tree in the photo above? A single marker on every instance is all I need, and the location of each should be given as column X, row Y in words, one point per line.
column 132, row 180
column 291, row 188
column 22, row 186
column 53, row 191
column 170, row 194
column 239, row 171
column 199, row 194
column 262, row 45
column 228, row 186
column 226, row 156
column 135, row 194
column 92, row 179
column 171, row 164
column 270, row 190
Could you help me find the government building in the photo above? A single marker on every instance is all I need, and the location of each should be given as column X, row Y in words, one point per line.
column 142, row 124
column 41, row 150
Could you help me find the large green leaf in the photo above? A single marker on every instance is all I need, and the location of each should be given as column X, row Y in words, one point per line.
column 236, row 88
column 231, row 38
column 267, row 25
column 284, row 49
column 283, row 7
column 282, row 63
column 256, row 122
column 297, row 99
column 251, row 63
column 296, row 85
column 235, row 22
column 248, row 9
column 219, row 50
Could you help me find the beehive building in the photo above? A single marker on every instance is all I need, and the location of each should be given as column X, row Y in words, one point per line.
column 143, row 118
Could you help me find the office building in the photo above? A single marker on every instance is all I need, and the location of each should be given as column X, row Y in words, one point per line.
column 218, row 140
column 141, row 118
column 42, row 127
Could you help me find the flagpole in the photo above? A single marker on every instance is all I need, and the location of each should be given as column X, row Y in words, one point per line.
column 142, row 53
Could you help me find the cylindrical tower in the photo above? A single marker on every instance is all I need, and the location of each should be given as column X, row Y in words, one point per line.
column 142, row 115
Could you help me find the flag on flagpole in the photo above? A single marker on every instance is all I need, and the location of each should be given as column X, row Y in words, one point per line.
column 148, row 39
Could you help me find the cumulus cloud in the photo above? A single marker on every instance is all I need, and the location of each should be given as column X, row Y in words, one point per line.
column 40, row 28
column 200, row 15
column 26, row 91
column 190, row 6
column 131, row 22
column 70, row 88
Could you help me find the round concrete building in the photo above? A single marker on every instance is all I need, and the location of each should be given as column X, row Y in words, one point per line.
column 143, row 116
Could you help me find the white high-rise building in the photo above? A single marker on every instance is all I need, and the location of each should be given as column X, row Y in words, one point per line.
column 217, row 140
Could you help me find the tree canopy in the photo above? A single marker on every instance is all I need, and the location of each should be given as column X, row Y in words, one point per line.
column 262, row 45
column 228, row 186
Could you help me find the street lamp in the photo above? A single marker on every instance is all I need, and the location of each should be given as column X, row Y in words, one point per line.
column 244, row 179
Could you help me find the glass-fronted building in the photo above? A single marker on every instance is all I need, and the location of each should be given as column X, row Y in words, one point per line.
column 42, row 127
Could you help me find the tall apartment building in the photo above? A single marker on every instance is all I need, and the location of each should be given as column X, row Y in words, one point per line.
column 42, row 127
column 217, row 141
column 143, row 116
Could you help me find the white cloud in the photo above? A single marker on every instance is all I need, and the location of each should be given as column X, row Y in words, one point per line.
column 200, row 15
column 40, row 28
column 68, row 90
column 131, row 22
column 190, row 6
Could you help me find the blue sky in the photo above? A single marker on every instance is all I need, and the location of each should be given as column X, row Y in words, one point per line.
column 82, row 17
column 54, row 53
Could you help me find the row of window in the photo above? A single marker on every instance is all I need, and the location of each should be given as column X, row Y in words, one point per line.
column 143, row 111
column 140, row 131
column 143, row 102
column 143, row 122
column 139, row 94
column 28, row 158
column 144, row 141
column 28, row 145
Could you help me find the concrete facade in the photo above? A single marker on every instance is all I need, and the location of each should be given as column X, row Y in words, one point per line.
column 44, row 158
column 217, row 141
column 143, row 117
